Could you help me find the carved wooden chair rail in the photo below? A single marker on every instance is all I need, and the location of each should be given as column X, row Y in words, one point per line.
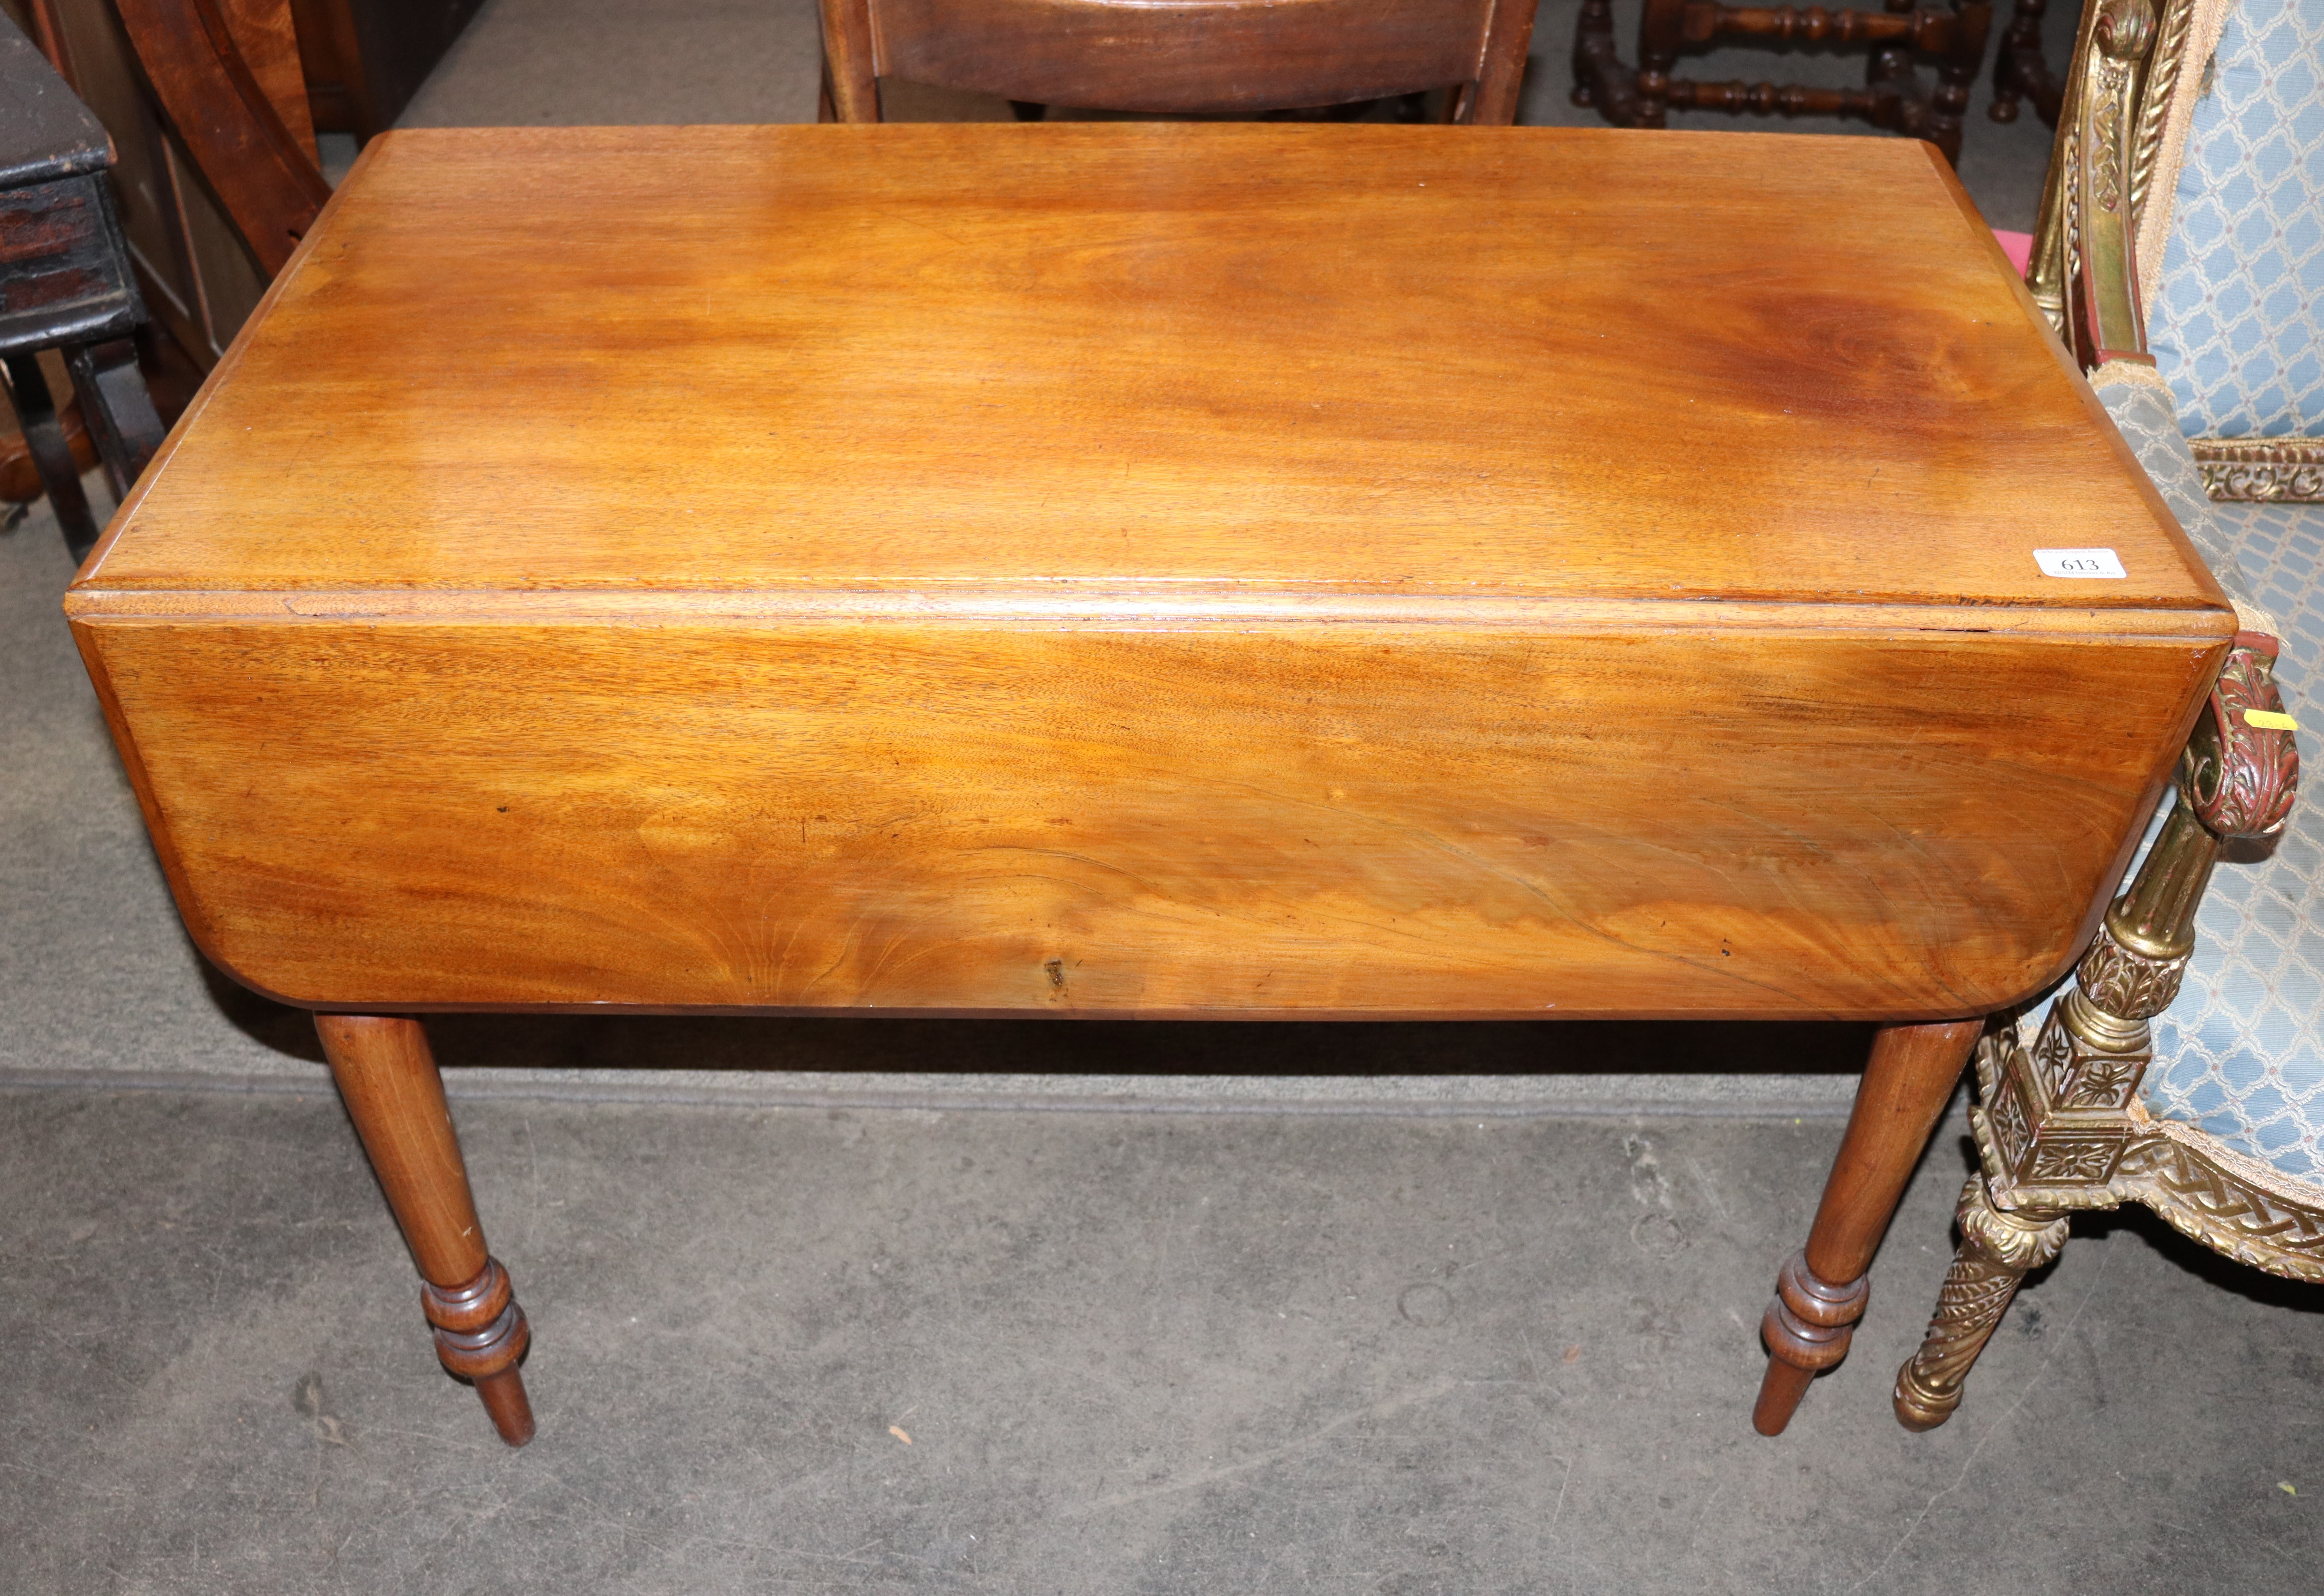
column 1893, row 96
column 2061, row 1126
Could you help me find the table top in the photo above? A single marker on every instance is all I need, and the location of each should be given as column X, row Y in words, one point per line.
column 1156, row 358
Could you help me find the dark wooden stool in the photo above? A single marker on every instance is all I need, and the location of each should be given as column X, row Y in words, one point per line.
column 1894, row 95
column 65, row 284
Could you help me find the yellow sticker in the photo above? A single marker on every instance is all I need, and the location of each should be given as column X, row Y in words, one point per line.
column 2269, row 720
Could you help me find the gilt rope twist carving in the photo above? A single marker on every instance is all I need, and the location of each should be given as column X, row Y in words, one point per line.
column 2224, row 1212
column 2163, row 64
column 2069, row 152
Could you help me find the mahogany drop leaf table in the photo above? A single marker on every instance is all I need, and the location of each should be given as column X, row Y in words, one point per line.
column 1179, row 571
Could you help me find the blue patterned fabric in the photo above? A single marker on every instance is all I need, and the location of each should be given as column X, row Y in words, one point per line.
column 2143, row 415
column 2241, row 1053
column 2238, row 328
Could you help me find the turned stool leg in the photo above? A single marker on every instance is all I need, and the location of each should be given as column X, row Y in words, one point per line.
column 1955, row 75
column 2008, row 79
column 1661, row 31
column 395, row 1097
column 1998, row 1249
column 44, row 437
column 116, row 409
column 1821, row 1293
column 1594, row 23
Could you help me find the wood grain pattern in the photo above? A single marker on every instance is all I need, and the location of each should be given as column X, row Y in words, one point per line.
column 1141, row 570
column 1157, row 354
column 1907, row 1082
column 1200, row 55
column 387, row 1076
column 1310, row 816
column 267, row 35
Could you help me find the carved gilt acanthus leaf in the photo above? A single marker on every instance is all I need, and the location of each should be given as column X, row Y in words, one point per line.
column 2243, row 778
column 2129, row 985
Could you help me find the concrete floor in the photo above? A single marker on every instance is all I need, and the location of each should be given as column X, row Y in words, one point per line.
column 1131, row 1352
column 1383, row 1309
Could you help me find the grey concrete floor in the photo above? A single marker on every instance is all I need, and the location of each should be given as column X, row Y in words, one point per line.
column 1097, row 1352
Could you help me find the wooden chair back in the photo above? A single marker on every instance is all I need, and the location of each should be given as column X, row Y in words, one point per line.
column 1225, row 55
column 228, row 78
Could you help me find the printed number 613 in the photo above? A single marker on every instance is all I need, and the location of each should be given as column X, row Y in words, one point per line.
column 2078, row 562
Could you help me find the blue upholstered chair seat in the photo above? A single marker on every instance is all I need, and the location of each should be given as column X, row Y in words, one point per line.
column 2241, row 1053
column 2239, row 325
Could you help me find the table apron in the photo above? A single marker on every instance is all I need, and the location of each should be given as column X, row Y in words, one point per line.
column 1268, row 820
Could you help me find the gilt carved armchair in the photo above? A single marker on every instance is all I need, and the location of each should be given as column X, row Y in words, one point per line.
column 2181, row 254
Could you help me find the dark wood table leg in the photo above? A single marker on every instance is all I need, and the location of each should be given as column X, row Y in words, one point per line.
column 44, row 436
column 1820, row 1295
column 395, row 1097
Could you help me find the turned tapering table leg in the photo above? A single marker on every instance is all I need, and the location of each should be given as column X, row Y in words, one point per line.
column 1821, row 1292
column 388, row 1078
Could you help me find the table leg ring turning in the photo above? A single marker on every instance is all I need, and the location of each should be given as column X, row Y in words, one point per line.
column 1807, row 1329
column 480, row 1334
